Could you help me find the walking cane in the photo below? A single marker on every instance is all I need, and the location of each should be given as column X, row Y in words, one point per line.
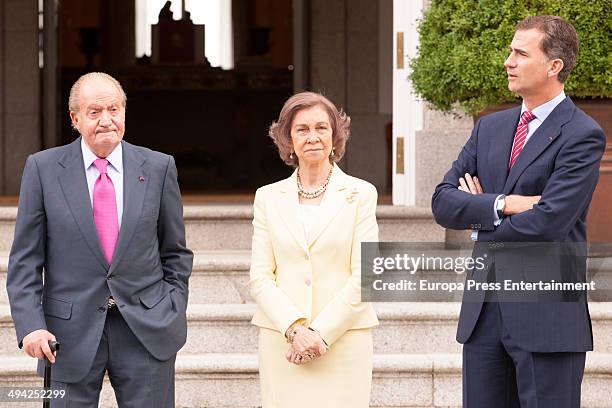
column 54, row 346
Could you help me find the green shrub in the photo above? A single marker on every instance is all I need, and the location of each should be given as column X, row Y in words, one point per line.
column 463, row 45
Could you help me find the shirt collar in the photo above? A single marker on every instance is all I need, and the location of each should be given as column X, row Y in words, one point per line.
column 541, row 112
column 115, row 158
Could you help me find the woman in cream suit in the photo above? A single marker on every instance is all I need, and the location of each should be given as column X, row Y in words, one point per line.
column 315, row 343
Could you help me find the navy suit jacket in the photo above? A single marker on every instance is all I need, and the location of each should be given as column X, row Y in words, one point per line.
column 560, row 162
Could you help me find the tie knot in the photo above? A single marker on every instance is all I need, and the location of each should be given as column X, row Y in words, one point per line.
column 527, row 117
column 101, row 165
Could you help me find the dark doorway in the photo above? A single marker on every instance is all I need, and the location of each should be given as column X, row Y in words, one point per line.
column 213, row 121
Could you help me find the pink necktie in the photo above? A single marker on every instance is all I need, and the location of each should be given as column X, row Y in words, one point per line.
column 105, row 210
column 521, row 135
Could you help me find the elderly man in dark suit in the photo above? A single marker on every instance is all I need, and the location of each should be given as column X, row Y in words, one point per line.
column 526, row 174
column 101, row 221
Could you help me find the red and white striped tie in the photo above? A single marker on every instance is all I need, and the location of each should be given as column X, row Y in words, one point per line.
column 521, row 136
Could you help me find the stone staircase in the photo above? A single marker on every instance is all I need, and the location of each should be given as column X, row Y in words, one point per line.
column 417, row 361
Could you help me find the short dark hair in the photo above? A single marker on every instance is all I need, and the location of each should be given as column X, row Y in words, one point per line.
column 560, row 40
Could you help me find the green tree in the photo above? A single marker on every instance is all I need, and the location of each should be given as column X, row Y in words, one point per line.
column 463, row 45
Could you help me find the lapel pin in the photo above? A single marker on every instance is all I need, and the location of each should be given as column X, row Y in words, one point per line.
column 550, row 138
column 140, row 178
column 351, row 197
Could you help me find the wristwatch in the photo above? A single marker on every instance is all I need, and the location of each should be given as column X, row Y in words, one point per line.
column 501, row 204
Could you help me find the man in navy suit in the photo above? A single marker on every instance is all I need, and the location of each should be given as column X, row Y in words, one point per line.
column 526, row 174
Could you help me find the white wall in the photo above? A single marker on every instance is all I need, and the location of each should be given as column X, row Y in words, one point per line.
column 407, row 109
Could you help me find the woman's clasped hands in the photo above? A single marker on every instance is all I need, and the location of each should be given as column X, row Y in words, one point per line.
column 306, row 345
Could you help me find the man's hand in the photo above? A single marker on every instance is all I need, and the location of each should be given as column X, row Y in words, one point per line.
column 470, row 184
column 516, row 204
column 307, row 345
column 36, row 344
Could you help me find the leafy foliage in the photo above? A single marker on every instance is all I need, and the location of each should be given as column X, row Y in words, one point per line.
column 463, row 45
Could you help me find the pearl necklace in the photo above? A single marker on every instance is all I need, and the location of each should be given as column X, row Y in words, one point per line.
column 316, row 193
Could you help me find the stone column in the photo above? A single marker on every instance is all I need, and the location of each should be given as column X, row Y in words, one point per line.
column 437, row 146
column 118, row 33
column 344, row 65
column 367, row 150
column 301, row 45
column 2, row 90
column 20, row 132
column 50, row 97
column 328, row 49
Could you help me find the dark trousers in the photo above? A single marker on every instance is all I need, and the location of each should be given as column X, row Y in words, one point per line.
column 138, row 379
column 497, row 373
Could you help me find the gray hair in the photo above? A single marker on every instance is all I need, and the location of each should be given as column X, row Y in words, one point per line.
column 75, row 91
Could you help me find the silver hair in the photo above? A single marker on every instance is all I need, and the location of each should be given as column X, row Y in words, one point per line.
column 75, row 91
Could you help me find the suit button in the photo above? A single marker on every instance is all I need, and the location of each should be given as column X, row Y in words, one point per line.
column 101, row 309
column 307, row 282
column 109, row 277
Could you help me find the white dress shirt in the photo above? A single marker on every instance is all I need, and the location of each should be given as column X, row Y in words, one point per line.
column 114, row 171
column 309, row 214
column 541, row 113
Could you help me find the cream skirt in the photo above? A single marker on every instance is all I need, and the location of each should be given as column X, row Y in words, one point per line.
column 342, row 378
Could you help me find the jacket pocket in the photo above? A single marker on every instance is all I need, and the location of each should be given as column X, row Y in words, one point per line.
column 57, row 308
column 154, row 294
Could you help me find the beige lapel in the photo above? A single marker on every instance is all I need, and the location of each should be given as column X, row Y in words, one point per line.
column 288, row 207
column 333, row 201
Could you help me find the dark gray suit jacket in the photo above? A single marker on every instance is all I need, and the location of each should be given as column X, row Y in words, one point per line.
column 55, row 232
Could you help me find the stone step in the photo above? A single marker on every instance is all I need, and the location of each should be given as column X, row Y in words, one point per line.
column 222, row 277
column 217, row 277
column 399, row 380
column 222, row 227
column 413, row 328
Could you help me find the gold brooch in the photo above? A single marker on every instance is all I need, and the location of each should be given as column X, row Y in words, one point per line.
column 351, row 196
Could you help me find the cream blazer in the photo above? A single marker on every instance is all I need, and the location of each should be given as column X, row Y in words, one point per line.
column 318, row 280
